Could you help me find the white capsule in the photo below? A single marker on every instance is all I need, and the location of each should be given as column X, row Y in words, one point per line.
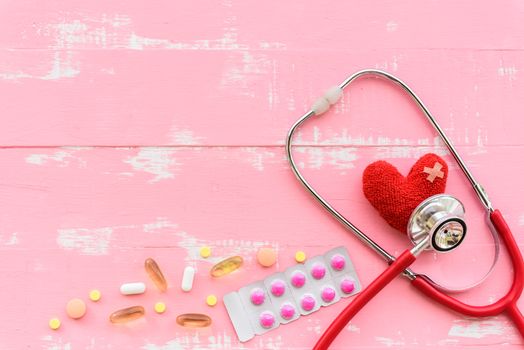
column 187, row 278
column 132, row 288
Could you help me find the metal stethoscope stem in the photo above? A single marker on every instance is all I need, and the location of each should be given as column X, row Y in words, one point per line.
column 482, row 195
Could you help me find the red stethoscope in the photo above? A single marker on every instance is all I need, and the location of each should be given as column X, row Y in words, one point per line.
column 437, row 223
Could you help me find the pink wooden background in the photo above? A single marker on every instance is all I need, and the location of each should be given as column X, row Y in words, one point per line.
column 134, row 129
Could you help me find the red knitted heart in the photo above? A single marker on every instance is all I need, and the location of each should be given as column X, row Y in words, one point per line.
column 395, row 196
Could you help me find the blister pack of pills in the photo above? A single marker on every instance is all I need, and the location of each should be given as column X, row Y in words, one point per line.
column 284, row 296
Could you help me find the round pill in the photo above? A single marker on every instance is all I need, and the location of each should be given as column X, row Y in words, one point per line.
column 266, row 256
column 278, row 287
column 328, row 294
column 298, row 279
column 287, row 311
column 308, row 302
column 347, row 285
column 211, row 300
column 205, row 252
column 76, row 308
column 95, row 295
column 257, row 296
column 267, row 320
column 54, row 323
column 300, row 256
column 318, row 271
column 338, row 262
column 160, row 307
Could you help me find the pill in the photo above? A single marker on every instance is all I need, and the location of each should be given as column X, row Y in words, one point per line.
column 205, row 252
column 298, row 279
column 300, row 256
column 266, row 256
column 127, row 314
column 267, row 319
column 95, row 295
column 278, row 288
column 187, row 278
column 318, row 271
column 160, row 307
column 76, row 308
column 338, row 262
column 155, row 274
column 193, row 320
column 211, row 300
column 54, row 323
column 347, row 285
column 287, row 311
column 226, row 266
column 328, row 294
column 307, row 302
column 257, row 296
column 132, row 288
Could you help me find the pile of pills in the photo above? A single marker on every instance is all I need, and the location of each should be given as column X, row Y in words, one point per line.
column 284, row 296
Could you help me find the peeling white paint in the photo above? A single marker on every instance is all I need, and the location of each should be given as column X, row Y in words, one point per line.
column 388, row 342
column 63, row 158
column 391, row 26
column 258, row 156
column 87, row 241
column 51, row 343
column 184, row 136
column 198, row 341
column 159, row 224
column 243, row 68
column 9, row 240
column 317, row 157
column 158, row 161
column 476, row 328
column 509, row 72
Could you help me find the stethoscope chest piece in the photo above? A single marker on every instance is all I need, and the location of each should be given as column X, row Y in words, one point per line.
column 441, row 218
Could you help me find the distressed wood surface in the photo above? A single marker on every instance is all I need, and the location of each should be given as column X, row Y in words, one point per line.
column 148, row 129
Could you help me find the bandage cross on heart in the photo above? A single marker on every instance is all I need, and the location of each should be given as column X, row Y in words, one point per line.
column 395, row 196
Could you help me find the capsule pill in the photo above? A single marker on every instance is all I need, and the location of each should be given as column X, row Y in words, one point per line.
column 127, row 314
column 155, row 274
column 193, row 320
column 226, row 266
column 187, row 278
column 132, row 288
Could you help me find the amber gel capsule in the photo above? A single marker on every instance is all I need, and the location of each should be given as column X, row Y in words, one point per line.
column 226, row 266
column 127, row 314
column 193, row 320
column 155, row 274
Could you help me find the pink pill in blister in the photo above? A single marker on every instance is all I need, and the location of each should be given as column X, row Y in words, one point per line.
column 298, row 279
column 328, row 294
column 278, row 287
column 307, row 302
column 347, row 285
column 287, row 311
column 257, row 296
column 267, row 320
column 338, row 262
column 318, row 271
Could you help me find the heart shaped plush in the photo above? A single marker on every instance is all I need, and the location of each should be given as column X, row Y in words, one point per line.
column 395, row 196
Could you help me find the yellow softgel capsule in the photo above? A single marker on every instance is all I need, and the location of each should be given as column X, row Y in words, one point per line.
column 54, row 323
column 226, row 266
column 205, row 252
column 128, row 314
column 211, row 300
column 95, row 295
column 160, row 307
column 155, row 274
column 300, row 256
